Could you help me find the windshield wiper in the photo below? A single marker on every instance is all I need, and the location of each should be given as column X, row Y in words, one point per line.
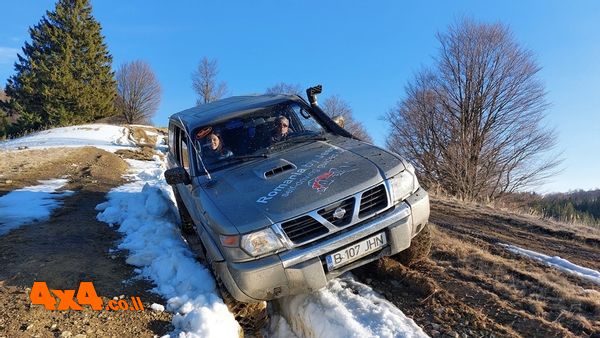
column 306, row 138
column 245, row 157
column 296, row 139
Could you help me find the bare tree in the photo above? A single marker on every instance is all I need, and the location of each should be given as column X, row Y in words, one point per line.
column 285, row 88
column 204, row 82
column 473, row 124
column 335, row 106
column 138, row 92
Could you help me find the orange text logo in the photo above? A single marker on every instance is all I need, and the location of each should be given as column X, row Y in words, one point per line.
column 86, row 295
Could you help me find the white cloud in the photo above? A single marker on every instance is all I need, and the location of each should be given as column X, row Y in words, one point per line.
column 8, row 55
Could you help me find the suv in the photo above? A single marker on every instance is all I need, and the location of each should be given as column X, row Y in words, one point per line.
column 282, row 213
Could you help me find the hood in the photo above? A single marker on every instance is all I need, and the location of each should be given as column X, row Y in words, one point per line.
column 296, row 181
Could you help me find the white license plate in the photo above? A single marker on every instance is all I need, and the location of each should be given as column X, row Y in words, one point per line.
column 356, row 251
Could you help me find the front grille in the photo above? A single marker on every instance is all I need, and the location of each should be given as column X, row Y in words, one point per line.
column 373, row 200
column 302, row 229
column 347, row 205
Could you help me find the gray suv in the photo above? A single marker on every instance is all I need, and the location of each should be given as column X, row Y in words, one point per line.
column 283, row 199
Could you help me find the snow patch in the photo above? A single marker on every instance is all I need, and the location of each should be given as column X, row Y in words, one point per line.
column 557, row 262
column 279, row 327
column 29, row 204
column 108, row 137
column 145, row 211
column 345, row 308
column 157, row 307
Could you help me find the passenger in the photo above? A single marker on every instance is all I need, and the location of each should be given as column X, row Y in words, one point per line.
column 282, row 130
column 217, row 150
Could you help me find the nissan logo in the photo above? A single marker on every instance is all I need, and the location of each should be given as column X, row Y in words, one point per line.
column 339, row 212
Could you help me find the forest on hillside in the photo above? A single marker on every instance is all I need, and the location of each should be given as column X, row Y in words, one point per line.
column 581, row 207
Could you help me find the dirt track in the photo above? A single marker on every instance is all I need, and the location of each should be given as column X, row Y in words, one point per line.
column 472, row 286
column 70, row 247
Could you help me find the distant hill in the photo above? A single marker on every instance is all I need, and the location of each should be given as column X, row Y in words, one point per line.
column 573, row 207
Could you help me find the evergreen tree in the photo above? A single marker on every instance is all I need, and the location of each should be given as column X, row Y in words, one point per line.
column 64, row 76
column 581, row 207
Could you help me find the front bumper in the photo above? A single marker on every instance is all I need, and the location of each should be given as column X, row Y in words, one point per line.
column 302, row 270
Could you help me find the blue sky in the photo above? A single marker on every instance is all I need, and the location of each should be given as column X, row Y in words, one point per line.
column 364, row 51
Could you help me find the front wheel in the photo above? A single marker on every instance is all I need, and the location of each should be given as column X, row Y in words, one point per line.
column 418, row 250
column 252, row 317
column 187, row 224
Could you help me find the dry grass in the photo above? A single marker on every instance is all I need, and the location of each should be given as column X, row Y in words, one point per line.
column 85, row 165
column 144, row 154
column 536, row 289
column 509, row 212
column 146, row 139
column 475, row 287
column 141, row 137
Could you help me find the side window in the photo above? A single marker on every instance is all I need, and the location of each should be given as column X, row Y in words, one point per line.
column 306, row 121
column 181, row 150
column 185, row 156
column 172, row 130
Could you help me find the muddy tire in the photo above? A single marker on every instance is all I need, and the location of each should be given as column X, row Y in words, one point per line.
column 252, row 317
column 187, row 224
column 418, row 250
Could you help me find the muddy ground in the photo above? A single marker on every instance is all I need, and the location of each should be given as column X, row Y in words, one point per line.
column 471, row 286
column 69, row 248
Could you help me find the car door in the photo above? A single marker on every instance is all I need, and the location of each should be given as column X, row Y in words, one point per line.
column 182, row 153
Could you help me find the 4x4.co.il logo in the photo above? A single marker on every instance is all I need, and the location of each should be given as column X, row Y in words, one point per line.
column 86, row 295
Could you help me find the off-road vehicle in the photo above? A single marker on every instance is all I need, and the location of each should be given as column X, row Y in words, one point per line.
column 281, row 213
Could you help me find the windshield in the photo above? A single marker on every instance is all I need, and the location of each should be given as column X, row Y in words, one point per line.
column 256, row 134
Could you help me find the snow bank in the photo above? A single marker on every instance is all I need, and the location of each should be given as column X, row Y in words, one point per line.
column 108, row 137
column 557, row 262
column 144, row 210
column 345, row 308
column 30, row 204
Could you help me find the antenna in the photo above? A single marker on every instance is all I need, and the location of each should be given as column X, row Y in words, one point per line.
column 195, row 150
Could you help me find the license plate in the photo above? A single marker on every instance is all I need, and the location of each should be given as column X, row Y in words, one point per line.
column 356, row 251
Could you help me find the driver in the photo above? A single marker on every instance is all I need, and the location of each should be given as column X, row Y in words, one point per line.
column 282, row 130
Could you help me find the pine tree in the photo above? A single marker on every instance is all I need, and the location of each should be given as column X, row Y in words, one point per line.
column 65, row 75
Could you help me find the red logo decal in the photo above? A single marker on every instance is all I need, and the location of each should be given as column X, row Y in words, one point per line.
column 323, row 181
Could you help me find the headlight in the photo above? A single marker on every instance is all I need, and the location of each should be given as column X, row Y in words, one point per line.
column 260, row 242
column 403, row 184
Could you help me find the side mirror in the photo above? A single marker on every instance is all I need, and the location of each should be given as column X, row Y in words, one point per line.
column 176, row 176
